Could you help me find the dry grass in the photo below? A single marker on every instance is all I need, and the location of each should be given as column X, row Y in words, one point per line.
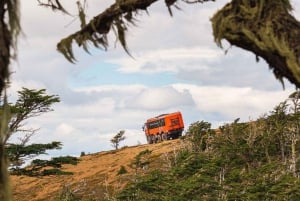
column 96, row 175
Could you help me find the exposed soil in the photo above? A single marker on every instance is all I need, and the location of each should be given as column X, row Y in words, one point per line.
column 96, row 175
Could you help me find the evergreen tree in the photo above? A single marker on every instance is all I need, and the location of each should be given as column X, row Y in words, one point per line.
column 19, row 153
column 200, row 134
column 117, row 139
column 30, row 103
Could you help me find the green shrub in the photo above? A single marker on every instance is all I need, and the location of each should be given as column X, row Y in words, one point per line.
column 122, row 170
column 66, row 194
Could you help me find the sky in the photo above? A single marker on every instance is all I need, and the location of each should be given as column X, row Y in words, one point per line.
column 175, row 66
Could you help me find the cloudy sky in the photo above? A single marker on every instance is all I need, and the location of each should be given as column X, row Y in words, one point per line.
column 176, row 67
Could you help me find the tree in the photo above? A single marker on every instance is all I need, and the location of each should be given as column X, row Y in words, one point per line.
column 9, row 31
column 294, row 127
column 119, row 137
column 199, row 134
column 30, row 103
column 18, row 153
column 279, row 122
column 141, row 160
column 40, row 167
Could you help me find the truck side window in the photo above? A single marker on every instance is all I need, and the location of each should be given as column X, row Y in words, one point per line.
column 174, row 122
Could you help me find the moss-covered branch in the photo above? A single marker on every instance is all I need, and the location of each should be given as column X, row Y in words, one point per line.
column 116, row 17
column 266, row 28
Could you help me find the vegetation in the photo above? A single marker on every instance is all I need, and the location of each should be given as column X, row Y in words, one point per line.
column 257, row 160
column 122, row 170
column 82, row 154
column 141, row 161
column 19, row 153
column 117, row 139
column 31, row 103
column 40, row 167
column 199, row 135
column 66, row 194
column 263, row 27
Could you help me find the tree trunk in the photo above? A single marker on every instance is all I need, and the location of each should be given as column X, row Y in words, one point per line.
column 4, row 47
column 265, row 28
column 5, row 192
column 293, row 159
column 267, row 154
column 5, row 43
column 282, row 151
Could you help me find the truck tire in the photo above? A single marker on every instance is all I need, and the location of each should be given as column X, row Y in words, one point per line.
column 164, row 137
column 149, row 139
column 159, row 138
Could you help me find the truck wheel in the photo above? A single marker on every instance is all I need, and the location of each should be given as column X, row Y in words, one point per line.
column 153, row 139
column 164, row 137
column 149, row 139
column 159, row 139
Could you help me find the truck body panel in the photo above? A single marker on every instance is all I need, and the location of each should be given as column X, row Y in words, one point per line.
column 164, row 127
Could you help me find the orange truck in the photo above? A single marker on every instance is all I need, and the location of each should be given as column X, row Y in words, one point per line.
column 164, row 127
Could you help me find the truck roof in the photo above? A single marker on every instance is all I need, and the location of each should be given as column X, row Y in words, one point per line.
column 162, row 115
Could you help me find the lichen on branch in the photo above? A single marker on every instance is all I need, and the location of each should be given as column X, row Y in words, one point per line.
column 266, row 28
column 117, row 18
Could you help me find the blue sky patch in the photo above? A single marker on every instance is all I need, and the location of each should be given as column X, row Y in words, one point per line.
column 106, row 74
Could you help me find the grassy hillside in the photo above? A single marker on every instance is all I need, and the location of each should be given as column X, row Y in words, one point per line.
column 95, row 177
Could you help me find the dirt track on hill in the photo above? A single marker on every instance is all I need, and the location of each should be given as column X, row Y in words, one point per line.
column 92, row 175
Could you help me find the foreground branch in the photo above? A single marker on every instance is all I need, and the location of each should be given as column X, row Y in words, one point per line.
column 116, row 17
column 265, row 28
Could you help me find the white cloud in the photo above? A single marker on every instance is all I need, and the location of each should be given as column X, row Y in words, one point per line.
column 167, row 60
column 107, row 88
column 160, row 98
column 65, row 130
column 234, row 102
